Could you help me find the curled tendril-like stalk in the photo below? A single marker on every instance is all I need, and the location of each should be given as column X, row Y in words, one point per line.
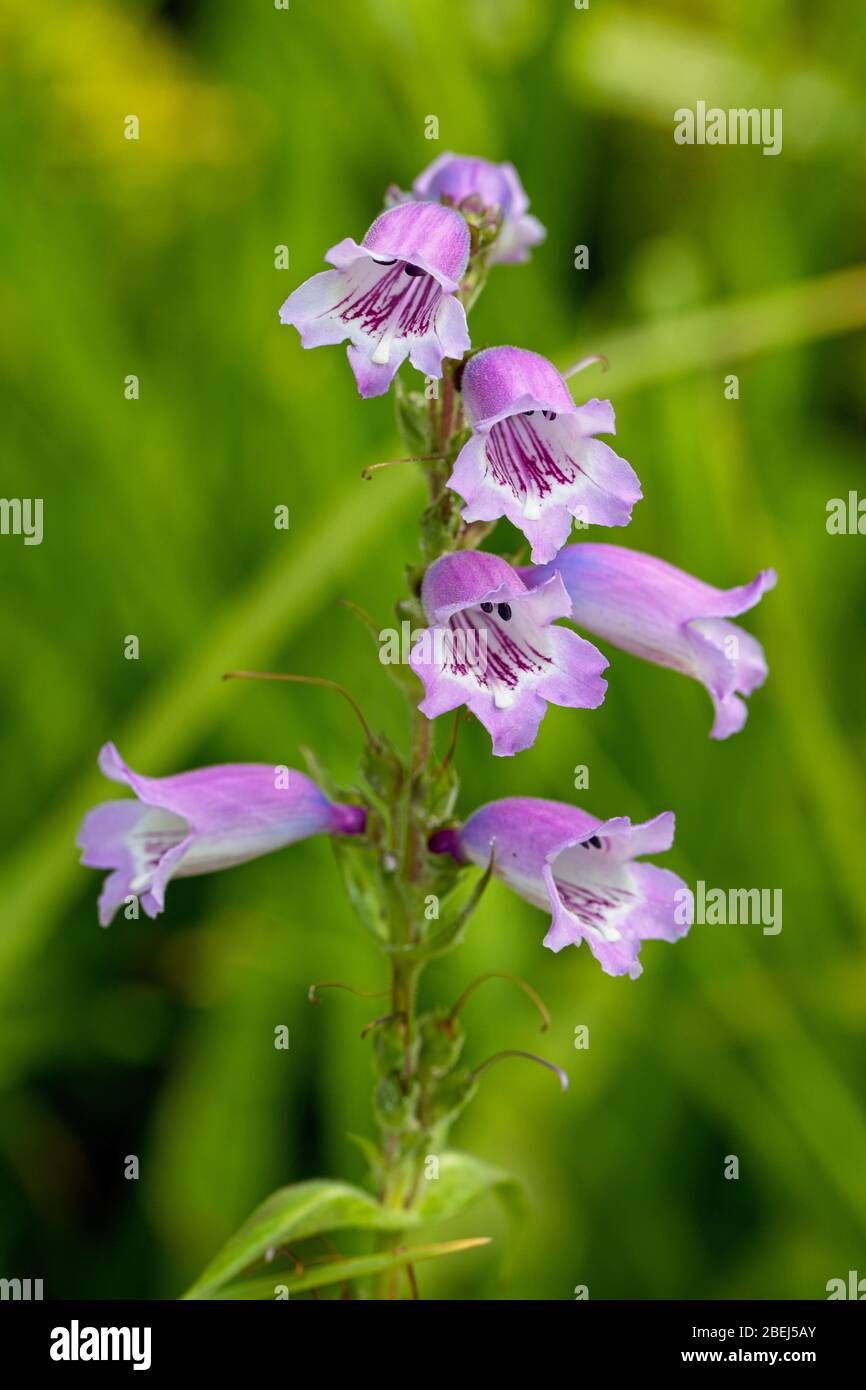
column 528, row 1056
column 342, row 984
column 386, row 1018
column 584, row 362
column 309, row 680
column 367, row 473
column 516, row 980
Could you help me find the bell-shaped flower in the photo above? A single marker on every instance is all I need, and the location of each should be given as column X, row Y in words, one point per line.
column 393, row 297
column 197, row 822
column 584, row 871
column 533, row 455
column 650, row 608
column 496, row 188
column 493, row 646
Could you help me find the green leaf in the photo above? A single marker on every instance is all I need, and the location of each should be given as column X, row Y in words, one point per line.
column 292, row 1214
column 359, row 869
column 464, row 1180
column 341, row 1271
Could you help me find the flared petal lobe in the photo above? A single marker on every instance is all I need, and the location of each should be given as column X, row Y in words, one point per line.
column 584, row 871
column 533, row 455
column 392, row 297
column 656, row 611
column 198, row 822
column 493, row 646
column 494, row 187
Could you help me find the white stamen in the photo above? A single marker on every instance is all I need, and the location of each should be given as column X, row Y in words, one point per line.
column 383, row 348
column 531, row 509
column 503, row 699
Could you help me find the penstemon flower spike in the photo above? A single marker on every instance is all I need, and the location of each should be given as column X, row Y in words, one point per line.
column 500, row 438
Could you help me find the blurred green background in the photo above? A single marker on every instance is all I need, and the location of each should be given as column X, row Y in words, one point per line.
column 262, row 127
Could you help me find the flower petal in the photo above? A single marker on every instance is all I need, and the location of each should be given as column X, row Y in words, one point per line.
column 516, row 239
column 196, row 822
column 532, row 456
column 661, row 613
column 391, row 297
column 492, row 645
column 583, row 869
column 496, row 187
column 499, row 381
column 429, row 236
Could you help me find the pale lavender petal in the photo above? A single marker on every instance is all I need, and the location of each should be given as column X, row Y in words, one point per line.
column 451, row 328
column 459, row 177
column 496, row 187
column 312, row 307
column 660, row 613
column 463, row 580
column 373, row 378
column 391, row 296
column 431, row 237
column 516, row 239
column 197, row 822
column 493, row 646
column 583, row 870
column 532, row 456
column 515, row 202
column 128, row 837
column 501, row 380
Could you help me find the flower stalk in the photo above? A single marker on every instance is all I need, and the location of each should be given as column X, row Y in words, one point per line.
column 497, row 434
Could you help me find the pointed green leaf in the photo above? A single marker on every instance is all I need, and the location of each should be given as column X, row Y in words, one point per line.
column 292, row 1214
column 464, row 1180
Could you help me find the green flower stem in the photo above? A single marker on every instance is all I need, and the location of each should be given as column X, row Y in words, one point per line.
column 419, row 1088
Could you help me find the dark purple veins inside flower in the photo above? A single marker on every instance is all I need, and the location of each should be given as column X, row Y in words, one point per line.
column 527, row 462
column 390, row 305
column 497, row 659
column 591, row 906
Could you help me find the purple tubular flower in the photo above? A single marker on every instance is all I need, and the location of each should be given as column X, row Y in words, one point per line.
column 196, row 822
column 393, row 297
column 583, row 870
column 497, row 187
column 650, row 608
column 493, row 647
column 533, row 457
